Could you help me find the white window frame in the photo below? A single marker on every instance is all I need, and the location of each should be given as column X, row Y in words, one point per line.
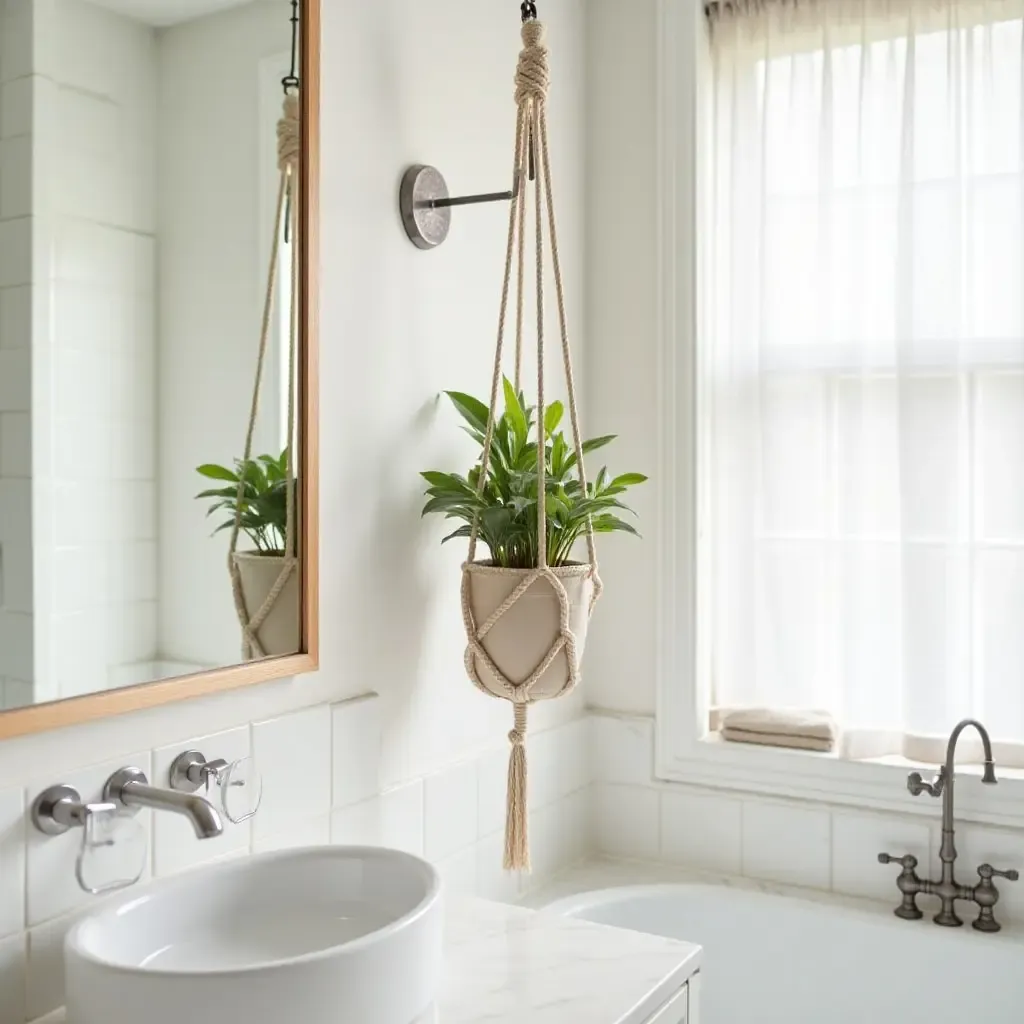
column 685, row 752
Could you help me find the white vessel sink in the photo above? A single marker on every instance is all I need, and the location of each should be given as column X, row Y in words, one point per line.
column 323, row 936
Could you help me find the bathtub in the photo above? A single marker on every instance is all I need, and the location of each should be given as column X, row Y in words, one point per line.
column 775, row 958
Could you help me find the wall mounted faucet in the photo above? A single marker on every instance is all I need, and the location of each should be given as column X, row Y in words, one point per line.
column 130, row 789
column 984, row 894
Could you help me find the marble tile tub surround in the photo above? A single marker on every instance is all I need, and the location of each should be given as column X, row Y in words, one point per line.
column 320, row 768
column 788, row 842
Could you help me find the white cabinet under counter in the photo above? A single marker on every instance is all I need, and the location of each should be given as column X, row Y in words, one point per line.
column 509, row 965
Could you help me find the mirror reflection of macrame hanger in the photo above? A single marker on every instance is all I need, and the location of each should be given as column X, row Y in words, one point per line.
column 290, row 84
column 289, row 148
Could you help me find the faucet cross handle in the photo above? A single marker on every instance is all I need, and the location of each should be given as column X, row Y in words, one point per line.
column 987, row 872
column 916, row 784
column 986, row 895
column 908, row 884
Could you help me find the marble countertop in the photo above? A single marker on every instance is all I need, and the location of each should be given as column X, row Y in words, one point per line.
column 511, row 965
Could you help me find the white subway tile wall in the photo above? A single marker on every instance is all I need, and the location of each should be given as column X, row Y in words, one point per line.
column 12, row 980
column 299, row 745
column 301, row 757
column 702, row 830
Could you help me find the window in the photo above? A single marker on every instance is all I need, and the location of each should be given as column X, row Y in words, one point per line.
column 861, row 367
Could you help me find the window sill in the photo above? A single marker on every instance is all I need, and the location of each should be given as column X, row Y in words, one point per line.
column 876, row 785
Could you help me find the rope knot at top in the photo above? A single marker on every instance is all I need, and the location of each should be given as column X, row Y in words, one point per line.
column 533, row 75
column 289, row 134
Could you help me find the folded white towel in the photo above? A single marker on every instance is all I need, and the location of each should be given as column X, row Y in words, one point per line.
column 799, row 730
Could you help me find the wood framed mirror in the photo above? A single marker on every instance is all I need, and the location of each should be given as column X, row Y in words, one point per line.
column 135, row 299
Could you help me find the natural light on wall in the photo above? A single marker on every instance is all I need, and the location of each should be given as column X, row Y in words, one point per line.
column 862, row 357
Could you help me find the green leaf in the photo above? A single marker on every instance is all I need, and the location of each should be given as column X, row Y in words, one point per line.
column 471, row 409
column 515, row 415
column 214, row 472
column 552, row 417
column 629, row 480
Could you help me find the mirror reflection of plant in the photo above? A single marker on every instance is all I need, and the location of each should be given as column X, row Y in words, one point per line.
column 264, row 499
column 507, row 506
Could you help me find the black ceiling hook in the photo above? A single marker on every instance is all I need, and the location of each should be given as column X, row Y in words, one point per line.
column 291, row 80
column 529, row 9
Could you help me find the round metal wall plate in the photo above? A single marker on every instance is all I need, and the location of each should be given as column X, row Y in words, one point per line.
column 112, row 791
column 42, row 809
column 426, row 227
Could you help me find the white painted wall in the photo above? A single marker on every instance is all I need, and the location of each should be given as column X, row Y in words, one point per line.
column 621, row 378
column 215, row 208
column 400, row 84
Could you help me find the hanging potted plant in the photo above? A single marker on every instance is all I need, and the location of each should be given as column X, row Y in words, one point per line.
column 255, row 496
column 527, row 607
column 506, row 509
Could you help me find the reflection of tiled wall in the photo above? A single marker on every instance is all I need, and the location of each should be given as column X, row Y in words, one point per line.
column 95, row 478
column 16, row 88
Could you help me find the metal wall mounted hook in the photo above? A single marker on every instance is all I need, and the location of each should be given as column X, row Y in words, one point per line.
column 426, row 205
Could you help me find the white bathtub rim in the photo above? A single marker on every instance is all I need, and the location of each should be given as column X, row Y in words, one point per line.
column 582, row 887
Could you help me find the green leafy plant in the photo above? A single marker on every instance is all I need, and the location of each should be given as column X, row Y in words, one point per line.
column 263, row 503
column 507, row 506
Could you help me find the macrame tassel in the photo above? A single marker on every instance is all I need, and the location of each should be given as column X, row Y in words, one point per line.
column 517, row 839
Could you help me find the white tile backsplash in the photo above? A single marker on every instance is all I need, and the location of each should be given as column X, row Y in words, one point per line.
column 12, row 862
column 450, row 811
column 293, row 754
column 458, row 872
column 492, row 781
column 13, row 960
column 492, row 880
column 356, row 750
column 1003, row 849
column 314, row 831
column 622, row 749
column 858, row 839
column 703, row 831
column 787, row 843
column 627, row 820
column 401, row 817
column 175, row 846
column 45, row 975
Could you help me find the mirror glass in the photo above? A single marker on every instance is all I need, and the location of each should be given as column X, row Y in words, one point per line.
column 139, row 191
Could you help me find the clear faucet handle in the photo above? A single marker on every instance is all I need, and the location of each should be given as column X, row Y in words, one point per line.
column 239, row 785
column 113, row 851
column 241, row 790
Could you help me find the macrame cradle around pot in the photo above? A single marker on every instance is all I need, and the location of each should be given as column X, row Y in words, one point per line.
column 526, row 627
column 266, row 587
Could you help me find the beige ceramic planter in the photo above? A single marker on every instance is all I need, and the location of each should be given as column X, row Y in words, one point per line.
column 280, row 632
column 521, row 639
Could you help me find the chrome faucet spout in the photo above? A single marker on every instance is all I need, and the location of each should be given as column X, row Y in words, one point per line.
column 130, row 788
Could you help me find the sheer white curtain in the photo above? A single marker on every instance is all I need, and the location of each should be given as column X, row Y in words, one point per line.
column 862, row 356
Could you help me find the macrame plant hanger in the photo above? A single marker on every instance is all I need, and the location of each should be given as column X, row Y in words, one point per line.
column 532, row 163
column 289, row 148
